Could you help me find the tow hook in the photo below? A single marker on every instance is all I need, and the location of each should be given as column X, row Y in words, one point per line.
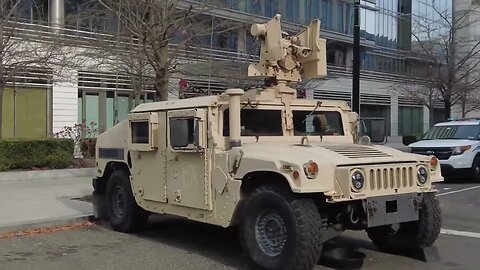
column 371, row 208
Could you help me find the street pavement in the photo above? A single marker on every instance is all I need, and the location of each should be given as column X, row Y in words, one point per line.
column 172, row 243
column 27, row 202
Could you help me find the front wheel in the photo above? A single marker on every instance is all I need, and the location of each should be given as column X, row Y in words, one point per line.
column 281, row 232
column 476, row 169
column 123, row 212
column 411, row 235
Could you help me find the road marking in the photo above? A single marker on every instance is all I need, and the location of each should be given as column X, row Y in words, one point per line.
column 457, row 191
column 446, row 188
column 461, row 233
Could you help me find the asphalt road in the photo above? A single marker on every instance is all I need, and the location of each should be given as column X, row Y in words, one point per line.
column 171, row 243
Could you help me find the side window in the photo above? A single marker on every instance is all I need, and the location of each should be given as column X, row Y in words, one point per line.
column 140, row 132
column 256, row 122
column 143, row 131
column 184, row 133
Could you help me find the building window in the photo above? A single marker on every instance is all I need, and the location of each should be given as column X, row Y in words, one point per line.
column 410, row 120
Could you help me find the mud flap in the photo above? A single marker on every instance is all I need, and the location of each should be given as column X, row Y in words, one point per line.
column 99, row 205
column 392, row 209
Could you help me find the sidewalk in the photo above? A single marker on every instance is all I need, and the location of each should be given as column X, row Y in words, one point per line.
column 25, row 203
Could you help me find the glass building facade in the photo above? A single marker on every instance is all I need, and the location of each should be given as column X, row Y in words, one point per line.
column 386, row 33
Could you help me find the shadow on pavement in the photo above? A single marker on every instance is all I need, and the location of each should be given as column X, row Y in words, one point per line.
column 216, row 243
column 220, row 244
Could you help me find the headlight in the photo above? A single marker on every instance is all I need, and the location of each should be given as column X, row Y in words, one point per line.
column 460, row 149
column 422, row 175
column 358, row 180
column 311, row 169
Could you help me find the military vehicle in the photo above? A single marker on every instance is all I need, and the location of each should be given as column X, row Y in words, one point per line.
column 288, row 173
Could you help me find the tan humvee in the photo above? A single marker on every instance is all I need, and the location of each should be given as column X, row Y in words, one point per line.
column 291, row 173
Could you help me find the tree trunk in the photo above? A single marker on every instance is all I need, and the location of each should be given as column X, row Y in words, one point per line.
column 448, row 109
column 162, row 75
column 137, row 98
column 431, row 113
column 161, row 87
column 1, row 112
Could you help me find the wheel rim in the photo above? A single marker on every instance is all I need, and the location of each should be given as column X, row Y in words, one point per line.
column 119, row 202
column 271, row 233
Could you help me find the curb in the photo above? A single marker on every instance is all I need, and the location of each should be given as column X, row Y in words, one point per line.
column 46, row 174
column 47, row 223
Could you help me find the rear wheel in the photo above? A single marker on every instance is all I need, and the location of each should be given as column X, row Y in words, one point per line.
column 123, row 212
column 410, row 235
column 279, row 231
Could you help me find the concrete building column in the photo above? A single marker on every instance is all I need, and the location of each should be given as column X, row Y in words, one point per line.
column 56, row 12
column 102, row 112
column 426, row 118
column 64, row 99
column 394, row 116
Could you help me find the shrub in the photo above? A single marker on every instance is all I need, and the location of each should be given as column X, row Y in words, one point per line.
column 408, row 139
column 41, row 153
column 82, row 135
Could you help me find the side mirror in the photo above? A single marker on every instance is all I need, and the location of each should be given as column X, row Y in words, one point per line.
column 185, row 133
column 365, row 140
column 362, row 129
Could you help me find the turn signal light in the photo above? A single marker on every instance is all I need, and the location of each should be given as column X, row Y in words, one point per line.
column 311, row 169
column 434, row 161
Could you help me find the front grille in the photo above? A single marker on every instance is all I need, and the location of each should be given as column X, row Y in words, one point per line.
column 443, row 153
column 391, row 178
column 356, row 151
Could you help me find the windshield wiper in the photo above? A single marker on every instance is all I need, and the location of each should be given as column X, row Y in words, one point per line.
column 319, row 103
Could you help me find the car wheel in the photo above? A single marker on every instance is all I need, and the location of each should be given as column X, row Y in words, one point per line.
column 476, row 169
column 123, row 212
column 279, row 231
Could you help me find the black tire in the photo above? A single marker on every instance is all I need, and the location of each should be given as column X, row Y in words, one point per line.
column 411, row 235
column 297, row 223
column 476, row 169
column 123, row 212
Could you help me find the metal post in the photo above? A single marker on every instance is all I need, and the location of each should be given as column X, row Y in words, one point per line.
column 57, row 13
column 356, row 58
column 210, row 61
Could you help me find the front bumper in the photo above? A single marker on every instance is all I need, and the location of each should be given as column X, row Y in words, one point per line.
column 392, row 209
column 450, row 171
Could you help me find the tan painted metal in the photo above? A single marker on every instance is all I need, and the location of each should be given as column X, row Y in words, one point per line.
column 202, row 181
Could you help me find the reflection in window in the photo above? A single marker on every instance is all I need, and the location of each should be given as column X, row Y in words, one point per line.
column 140, row 132
column 256, row 123
column 318, row 123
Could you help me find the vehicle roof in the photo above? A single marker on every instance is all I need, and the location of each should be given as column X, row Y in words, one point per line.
column 203, row 101
column 459, row 123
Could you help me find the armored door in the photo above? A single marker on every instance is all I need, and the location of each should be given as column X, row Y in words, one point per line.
column 187, row 178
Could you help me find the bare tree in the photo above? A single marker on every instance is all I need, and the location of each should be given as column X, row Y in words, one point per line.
column 20, row 50
column 448, row 61
column 156, row 37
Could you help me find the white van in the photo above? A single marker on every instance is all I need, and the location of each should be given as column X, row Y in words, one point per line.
column 456, row 144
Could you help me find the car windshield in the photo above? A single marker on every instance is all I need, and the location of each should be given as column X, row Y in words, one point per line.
column 325, row 123
column 470, row 132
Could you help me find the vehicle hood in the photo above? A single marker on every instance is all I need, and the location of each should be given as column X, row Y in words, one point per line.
column 441, row 143
column 333, row 153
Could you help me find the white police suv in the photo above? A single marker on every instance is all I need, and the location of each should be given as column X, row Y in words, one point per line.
column 457, row 146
